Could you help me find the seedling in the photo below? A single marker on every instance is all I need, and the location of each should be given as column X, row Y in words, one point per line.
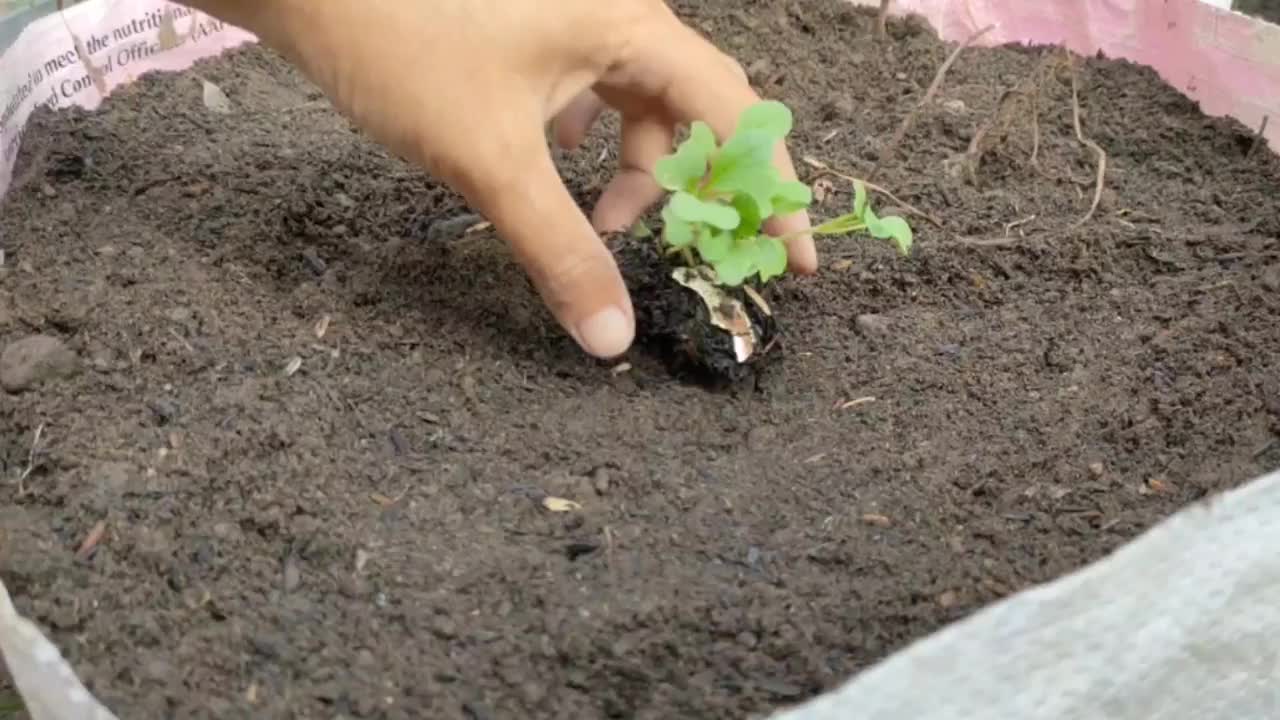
column 698, row 284
column 722, row 195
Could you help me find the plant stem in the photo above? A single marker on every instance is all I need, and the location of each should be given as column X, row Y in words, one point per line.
column 833, row 226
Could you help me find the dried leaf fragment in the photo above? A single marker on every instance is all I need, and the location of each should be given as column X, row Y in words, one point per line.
column 558, row 504
column 215, row 99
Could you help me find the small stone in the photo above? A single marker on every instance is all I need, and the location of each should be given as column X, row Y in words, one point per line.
column 1271, row 279
column 157, row 669
column 759, row 71
column 955, row 107
column 179, row 315
column 292, row 575
column 871, row 324
column 1096, row 469
column 314, row 261
column 600, row 480
column 113, row 478
column 443, row 627
column 948, row 599
column 761, row 438
column 165, row 411
column 32, row 360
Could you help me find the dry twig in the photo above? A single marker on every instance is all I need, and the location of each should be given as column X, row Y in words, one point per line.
column 31, row 461
column 1100, row 182
column 1037, row 86
column 882, row 19
column 928, row 97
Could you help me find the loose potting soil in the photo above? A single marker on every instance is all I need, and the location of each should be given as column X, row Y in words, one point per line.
column 287, row 445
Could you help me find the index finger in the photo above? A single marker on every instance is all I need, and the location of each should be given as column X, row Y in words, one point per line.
column 694, row 81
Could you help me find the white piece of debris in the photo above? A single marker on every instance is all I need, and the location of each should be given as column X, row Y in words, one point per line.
column 726, row 312
column 292, row 366
column 49, row 687
column 215, row 99
column 557, row 504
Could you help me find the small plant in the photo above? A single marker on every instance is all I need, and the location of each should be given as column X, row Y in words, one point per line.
column 721, row 196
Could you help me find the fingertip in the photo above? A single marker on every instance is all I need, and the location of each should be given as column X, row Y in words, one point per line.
column 606, row 333
column 802, row 255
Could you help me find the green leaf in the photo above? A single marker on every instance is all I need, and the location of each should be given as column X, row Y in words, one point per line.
column 745, row 164
column 892, row 228
column 749, row 212
column 770, row 257
column 859, row 198
column 715, row 246
column 675, row 231
column 791, row 196
column 735, row 267
column 685, row 168
column 768, row 116
column 690, row 208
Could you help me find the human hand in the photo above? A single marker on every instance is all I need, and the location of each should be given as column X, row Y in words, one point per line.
column 465, row 88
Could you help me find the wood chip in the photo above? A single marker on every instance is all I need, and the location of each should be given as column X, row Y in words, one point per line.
column 292, row 366
column 91, row 540
column 322, row 327
column 877, row 520
column 856, row 402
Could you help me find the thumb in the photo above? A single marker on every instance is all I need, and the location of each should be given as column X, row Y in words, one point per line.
column 515, row 184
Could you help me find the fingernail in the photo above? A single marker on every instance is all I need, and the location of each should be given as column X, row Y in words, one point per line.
column 606, row 334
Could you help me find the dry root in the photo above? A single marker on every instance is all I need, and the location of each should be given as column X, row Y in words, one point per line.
column 910, row 118
column 1008, row 108
column 1100, row 181
column 882, row 19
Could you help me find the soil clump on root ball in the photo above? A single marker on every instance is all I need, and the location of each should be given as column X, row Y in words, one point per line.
column 702, row 332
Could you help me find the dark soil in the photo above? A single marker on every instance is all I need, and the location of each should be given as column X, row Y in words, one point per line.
column 365, row 537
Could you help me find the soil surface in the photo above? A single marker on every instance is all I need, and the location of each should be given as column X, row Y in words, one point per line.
column 366, row 537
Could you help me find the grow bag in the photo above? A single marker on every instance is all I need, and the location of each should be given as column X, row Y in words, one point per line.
column 1177, row 624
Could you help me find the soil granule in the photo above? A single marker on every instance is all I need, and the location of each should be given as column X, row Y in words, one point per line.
column 366, row 536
